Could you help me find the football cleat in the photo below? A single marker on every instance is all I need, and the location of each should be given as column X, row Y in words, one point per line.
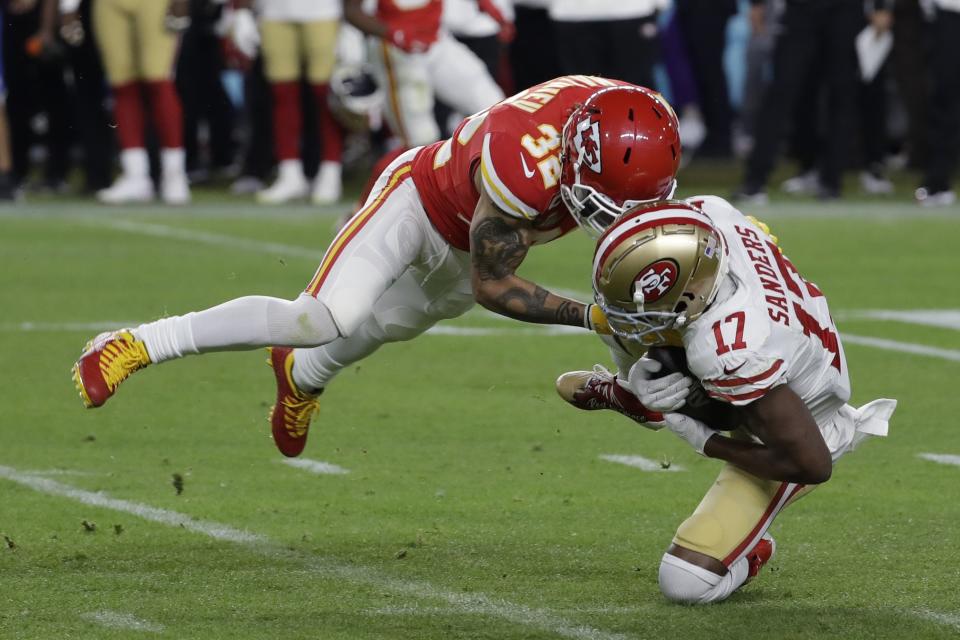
column 599, row 389
column 760, row 555
column 175, row 189
column 290, row 416
column 328, row 185
column 290, row 184
column 108, row 360
column 126, row 190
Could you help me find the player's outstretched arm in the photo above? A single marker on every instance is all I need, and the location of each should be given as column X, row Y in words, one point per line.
column 498, row 244
column 792, row 448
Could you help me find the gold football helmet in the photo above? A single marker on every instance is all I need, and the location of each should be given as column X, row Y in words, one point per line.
column 657, row 268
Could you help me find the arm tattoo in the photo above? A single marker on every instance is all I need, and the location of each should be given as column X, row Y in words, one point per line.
column 498, row 246
column 498, row 249
column 522, row 304
column 570, row 313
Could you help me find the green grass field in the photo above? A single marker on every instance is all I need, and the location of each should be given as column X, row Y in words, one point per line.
column 476, row 503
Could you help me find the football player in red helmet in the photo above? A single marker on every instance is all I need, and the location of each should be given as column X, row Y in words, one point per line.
column 620, row 148
column 446, row 225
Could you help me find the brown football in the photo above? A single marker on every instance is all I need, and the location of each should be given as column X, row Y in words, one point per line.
column 714, row 413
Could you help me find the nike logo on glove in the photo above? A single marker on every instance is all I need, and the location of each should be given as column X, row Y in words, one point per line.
column 526, row 170
column 734, row 370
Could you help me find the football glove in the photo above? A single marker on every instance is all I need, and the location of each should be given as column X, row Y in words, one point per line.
column 595, row 320
column 693, row 431
column 665, row 394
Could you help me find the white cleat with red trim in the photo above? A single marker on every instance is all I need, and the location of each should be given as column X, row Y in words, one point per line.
column 599, row 389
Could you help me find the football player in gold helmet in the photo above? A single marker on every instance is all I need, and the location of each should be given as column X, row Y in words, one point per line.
column 756, row 337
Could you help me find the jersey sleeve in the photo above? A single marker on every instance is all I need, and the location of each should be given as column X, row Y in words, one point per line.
column 508, row 180
column 741, row 377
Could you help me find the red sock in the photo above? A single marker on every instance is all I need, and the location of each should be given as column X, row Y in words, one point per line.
column 167, row 114
column 378, row 168
column 331, row 133
column 287, row 120
column 128, row 112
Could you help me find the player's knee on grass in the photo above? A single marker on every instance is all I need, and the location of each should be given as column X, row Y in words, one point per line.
column 683, row 582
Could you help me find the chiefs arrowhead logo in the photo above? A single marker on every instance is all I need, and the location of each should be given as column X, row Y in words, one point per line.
column 656, row 280
column 587, row 142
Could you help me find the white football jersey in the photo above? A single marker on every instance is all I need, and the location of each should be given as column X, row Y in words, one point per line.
column 767, row 327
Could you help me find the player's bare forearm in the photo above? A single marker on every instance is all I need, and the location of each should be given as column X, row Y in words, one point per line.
column 498, row 244
column 758, row 460
column 354, row 14
column 791, row 448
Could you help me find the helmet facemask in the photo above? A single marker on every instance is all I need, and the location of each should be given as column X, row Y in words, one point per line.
column 594, row 211
column 620, row 149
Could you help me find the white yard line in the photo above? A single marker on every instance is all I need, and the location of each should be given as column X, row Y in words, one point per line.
column 154, row 514
column 466, row 602
column 952, row 355
column 949, row 619
column 59, row 472
column 118, row 620
column 941, row 458
column 639, row 462
column 941, row 318
column 209, row 238
column 315, row 466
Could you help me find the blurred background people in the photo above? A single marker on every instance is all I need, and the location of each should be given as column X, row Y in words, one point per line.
column 8, row 191
column 811, row 30
column 138, row 44
column 754, row 78
column 298, row 36
column 943, row 141
column 703, row 24
column 208, row 114
column 532, row 53
column 415, row 60
column 613, row 38
column 37, row 105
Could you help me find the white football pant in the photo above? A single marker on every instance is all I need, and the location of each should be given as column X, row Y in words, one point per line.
column 448, row 70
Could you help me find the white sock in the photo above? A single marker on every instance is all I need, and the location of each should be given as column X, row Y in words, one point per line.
column 290, row 170
column 685, row 582
column 173, row 162
column 329, row 167
column 135, row 163
column 243, row 323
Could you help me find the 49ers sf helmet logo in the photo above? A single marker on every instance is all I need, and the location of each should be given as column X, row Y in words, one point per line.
column 587, row 142
column 656, row 280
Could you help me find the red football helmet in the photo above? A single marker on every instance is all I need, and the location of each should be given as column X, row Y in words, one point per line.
column 620, row 148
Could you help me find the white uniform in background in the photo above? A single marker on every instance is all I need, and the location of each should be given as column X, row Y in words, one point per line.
column 447, row 69
column 464, row 18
